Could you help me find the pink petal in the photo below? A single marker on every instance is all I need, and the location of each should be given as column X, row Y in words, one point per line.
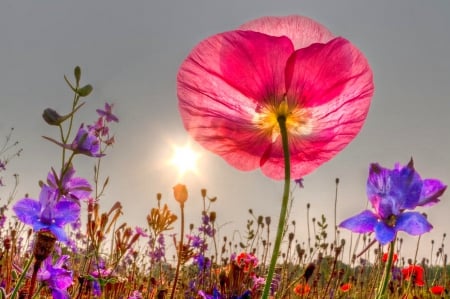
column 221, row 84
column 302, row 31
column 333, row 84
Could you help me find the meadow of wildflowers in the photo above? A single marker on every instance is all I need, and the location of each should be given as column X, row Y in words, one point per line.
column 279, row 93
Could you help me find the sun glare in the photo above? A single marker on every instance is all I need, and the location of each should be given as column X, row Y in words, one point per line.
column 185, row 159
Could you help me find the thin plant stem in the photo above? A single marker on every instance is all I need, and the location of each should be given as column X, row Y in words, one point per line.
column 22, row 276
column 284, row 206
column 387, row 271
column 335, row 212
column 37, row 265
column 180, row 252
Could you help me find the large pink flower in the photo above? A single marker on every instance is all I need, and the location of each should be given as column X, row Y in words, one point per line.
column 233, row 86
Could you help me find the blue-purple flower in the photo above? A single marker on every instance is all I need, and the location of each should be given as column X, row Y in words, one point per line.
column 86, row 142
column 69, row 187
column 107, row 113
column 56, row 277
column 136, row 295
column 392, row 194
column 48, row 212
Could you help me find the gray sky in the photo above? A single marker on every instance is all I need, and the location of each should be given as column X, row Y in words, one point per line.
column 131, row 50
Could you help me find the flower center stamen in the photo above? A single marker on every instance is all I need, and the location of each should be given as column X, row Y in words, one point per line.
column 391, row 220
column 298, row 122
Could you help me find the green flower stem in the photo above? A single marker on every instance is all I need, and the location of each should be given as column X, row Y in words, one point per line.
column 284, row 206
column 387, row 271
column 21, row 278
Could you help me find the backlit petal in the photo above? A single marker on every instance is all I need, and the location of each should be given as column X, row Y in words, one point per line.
column 27, row 210
column 364, row 222
column 413, row 223
column 303, row 31
column 222, row 83
column 66, row 212
column 432, row 189
column 384, row 233
column 334, row 96
column 406, row 187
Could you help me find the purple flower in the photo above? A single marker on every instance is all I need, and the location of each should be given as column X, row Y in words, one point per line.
column 99, row 127
column 56, row 277
column 136, row 295
column 107, row 113
column 48, row 212
column 299, row 182
column 391, row 193
column 215, row 295
column 158, row 252
column 69, row 187
column 86, row 142
column 206, row 226
column 139, row 231
column 202, row 263
column 96, row 288
column 196, row 242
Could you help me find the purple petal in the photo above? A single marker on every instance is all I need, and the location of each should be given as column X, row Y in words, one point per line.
column 361, row 223
column 392, row 191
column 413, row 223
column 43, row 275
column 79, row 188
column 406, row 186
column 431, row 190
column 384, row 233
column 60, row 294
column 376, row 187
column 27, row 210
column 66, row 212
column 61, row 278
column 59, row 232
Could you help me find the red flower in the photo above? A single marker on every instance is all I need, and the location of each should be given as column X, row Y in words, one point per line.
column 345, row 287
column 246, row 261
column 386, row 256
column 416, row 273
column 233, row 87
column 302, row 289
column 437, row 290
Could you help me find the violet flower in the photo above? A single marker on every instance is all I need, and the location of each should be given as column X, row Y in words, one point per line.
column 391, row 193
column 47, row 212
column 86, row 142
column 69, row 187
column 136, row 295
column 56, row 277
column 107, row 113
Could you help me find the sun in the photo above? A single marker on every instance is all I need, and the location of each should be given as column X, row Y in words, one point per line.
column 185, row 159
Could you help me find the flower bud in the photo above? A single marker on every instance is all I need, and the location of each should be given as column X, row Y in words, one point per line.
column 45, row 242
column 77, row 73
column 52, row 117
column 84, row 91
column 212, row 216
column 180, row 193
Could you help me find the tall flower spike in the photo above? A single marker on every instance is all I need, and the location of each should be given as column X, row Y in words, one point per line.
column 234, row 86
